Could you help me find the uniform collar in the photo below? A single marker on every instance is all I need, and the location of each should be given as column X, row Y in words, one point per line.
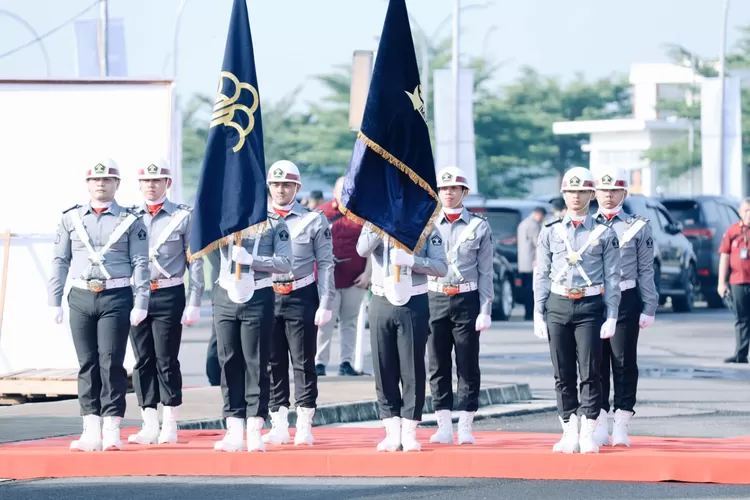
column 465, row 216
column 113, row 209
column 600, row 217
column 169, row 206
column 298, row 209
column 587, row 222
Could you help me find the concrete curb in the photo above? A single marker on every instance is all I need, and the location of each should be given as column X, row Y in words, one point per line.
column 363, row 411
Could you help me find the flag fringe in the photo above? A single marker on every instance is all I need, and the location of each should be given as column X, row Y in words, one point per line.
column 226, row 240
column 415, row 178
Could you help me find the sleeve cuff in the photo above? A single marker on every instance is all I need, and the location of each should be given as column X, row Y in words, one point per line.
column 649, row 311
column 612, row 314
column 140, row 302
column 194, row 300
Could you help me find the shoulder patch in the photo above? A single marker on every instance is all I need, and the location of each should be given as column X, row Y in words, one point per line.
column 436, row 240
column 649, row 243
column 142, row 235
column 615, row 242
column 71, row 208
column 548, row 224
column 327, row 233
column 284, row 235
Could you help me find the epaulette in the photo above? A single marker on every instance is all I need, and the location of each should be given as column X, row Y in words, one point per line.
column 274, row 216
column 640, row 217
column 133, row 211
column 548, row 224
column 474, row 214
column 71, row 208
column 182, row 206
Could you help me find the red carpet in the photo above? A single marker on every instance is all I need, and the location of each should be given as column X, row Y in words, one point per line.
column 351, row 452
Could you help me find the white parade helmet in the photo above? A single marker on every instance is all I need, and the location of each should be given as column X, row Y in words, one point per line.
column 611, row 179
column 107, row 168
column 451, row 176
column 158, row 170
column 283, row 171
column 577, row 179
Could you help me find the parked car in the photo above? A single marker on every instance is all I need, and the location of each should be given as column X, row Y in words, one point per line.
column 675, row 262
column 504, row 216
column 705, row 219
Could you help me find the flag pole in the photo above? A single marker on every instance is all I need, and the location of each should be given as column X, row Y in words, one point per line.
column 238, row 268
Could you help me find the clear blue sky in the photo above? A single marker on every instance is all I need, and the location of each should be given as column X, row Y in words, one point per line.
column 295, row 39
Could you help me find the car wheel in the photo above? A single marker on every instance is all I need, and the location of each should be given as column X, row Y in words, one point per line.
column 685, row 302
column 504, row 303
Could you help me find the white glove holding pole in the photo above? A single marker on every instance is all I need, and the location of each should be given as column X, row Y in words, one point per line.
column 645, row 321
column 401, row 257
column 608, row 328
column 540, row 327
column 241, row 256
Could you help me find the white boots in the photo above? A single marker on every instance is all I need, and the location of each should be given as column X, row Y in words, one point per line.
column 586, row 441
column 150, row 434
column 254, row 439
column 620, row 429
column 392, row 441
column 601, row 434
column 409, row 435
column 99, row 434
column 444, row 433
column 233, row 440
column 279, row 433
column 569, row 441
column 91, row 437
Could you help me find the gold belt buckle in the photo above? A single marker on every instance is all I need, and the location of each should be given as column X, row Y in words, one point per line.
column 576, row 293
column 154, row 285
column 95, row 285
column 283, row 288
column 451, row 289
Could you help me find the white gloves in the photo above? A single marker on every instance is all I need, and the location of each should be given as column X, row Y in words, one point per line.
column 608, row 328
column 401, row 257
column 645, row 321
column 322, row 316
column 137, row 315
column 540, row 326
column 241, row 256
column 57, row 314
column 483, row 322
column 191, row 315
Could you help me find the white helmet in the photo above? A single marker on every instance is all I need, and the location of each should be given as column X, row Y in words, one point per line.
column 451, row 176
column 577, row 179
column 108, row 168
column 611, row 178
column 158, row 170
column 283, row 171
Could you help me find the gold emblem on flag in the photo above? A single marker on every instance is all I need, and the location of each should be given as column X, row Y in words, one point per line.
column 225, row 108
column 417, row 101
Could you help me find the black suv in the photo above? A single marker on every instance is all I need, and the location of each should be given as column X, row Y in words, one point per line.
column 705, row 219
column 504, row 216
column 675, row 263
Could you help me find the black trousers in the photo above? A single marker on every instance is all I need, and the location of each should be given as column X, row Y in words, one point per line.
column 527, row 293
column 398, row 338
column 243, row 335
column 621, row 352
column 213, row 369
column 741, row 299
column 99, row 323
column 156, row 344
column 574, row 328
column 453, row 325
column 294, row 334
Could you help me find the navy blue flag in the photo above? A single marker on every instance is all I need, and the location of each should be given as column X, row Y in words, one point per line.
column 390, row 185
column 232, row 201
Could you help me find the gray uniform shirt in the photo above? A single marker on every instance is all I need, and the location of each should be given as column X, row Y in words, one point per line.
column 636, row 257
column 600, row 262
column 172, row 254
column 128, row 257
column 430, row 260
column 527, row 236
column 473, row 257
column 311, row 244
column 274, row 250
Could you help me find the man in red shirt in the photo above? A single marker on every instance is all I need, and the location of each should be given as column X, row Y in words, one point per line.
column 352, row 277
column 735, row 259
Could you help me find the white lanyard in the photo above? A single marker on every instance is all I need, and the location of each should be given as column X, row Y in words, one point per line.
column 453, row 251
column 574, row 258
column 97, row 258
column 153, row 252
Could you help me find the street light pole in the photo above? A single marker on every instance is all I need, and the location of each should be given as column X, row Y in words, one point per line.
column 34, row 33
column 456, row 76
column 722, row 74
column 175, row 45
column 104, row 41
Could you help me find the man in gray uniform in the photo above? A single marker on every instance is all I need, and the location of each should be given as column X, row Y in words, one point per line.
column 637, row 306
column 156, row 341
column 460, row 308
column 243, row 312
column 399, row 326
column 577, row 261
column 527, row 236
column 299, row 309
column 102, row 246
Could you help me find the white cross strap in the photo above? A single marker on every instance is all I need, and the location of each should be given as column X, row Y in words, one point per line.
column 97, row 258
column 574, row 257
column 632, row 231
column 153, row 252
column 302, row 224
column 465, row 234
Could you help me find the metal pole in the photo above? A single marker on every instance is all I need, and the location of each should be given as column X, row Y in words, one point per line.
column 175, row 45
column 456, row 75
column 722, row 74
column 425, row 72
column 104, row 41
column 34, row 33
